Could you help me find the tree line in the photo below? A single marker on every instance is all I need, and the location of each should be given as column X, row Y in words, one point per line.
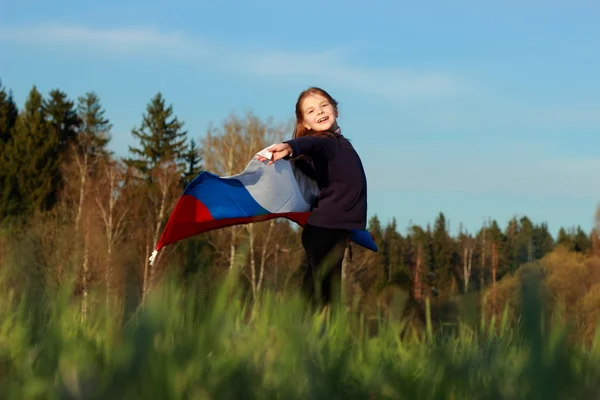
column 98, row 216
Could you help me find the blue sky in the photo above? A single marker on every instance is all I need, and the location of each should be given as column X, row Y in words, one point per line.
column 470, row 108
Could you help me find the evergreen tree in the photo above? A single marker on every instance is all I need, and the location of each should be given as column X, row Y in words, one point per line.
column 564, row 239
column 574, row 239
column 193, row 163
column 542, row 241
column 510, row 249
column 392, row 252
column 63, row 121
column 162, row 138
column 524, row 245
column 374, row 226
column 376, row 231
column 581, row 241
column 9, row 198
column 8, row 115
column 443, row 254
column 33, row 175
column 497, row 238
column 495, row 233
column 93, row 134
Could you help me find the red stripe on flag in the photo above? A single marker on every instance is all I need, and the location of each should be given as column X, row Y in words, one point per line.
column 190, row 217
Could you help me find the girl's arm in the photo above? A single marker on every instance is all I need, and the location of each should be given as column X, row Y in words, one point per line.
column 311, row 145
column 305, row 145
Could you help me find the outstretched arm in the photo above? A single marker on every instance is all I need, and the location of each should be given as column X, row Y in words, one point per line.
column 312, row 145
column 309, row 145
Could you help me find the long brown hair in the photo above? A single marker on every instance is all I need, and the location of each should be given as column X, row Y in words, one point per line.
column 300, row 130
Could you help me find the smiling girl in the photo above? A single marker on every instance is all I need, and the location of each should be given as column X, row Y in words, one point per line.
column 320, row 151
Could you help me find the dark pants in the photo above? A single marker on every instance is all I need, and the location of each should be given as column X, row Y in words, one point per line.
column 325, row 251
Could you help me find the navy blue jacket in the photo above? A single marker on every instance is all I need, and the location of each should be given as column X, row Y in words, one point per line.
column 339, row 173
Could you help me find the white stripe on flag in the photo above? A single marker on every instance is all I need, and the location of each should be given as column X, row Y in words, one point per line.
column 276, row 187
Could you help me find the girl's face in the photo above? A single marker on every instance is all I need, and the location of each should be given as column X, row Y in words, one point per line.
column 319, row 114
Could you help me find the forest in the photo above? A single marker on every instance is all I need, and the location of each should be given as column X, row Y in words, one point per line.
column 508, row 311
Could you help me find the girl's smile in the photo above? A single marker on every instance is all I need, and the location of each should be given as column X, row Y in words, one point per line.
column 319, row 113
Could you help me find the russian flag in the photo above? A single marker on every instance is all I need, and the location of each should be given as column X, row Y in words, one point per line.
column 259, row 193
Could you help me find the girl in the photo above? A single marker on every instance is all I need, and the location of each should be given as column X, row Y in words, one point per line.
column 320, row 151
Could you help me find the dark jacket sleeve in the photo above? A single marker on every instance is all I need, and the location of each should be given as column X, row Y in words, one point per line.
column 313, row 145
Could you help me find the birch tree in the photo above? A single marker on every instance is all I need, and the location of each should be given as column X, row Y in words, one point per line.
column 222, row 154
column 113, row 213
column 258, row 135
column 93, row 135
column 484, row 255
column 494, row 256
column 226, row 151
column 419, row 257
column 466, row 243
column 165, row 192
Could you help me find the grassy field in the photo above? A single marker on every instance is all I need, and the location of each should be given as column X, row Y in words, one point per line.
column 180, row 347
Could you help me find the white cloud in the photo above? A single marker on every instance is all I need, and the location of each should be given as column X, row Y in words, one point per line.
column 332, row 66
column 121, row 40
column 428, row 100
column 397, row 84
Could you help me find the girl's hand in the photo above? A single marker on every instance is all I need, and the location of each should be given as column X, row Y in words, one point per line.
column 278, row 151
column 261, row 158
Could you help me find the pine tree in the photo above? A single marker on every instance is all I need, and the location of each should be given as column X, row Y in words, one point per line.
column 9, row 197
column 162, row 138
column 33, row 175
column 574, row 239
column 581, row 241
column 524, row 245
column 376, row 231
column 510, row 249
column 93, row 134
column 564, row 239
column 63, row 121
column 542, row 241
column 160, row 162
column 392, row 251
column 193, row 163
column 443, row 254
column 8, row 115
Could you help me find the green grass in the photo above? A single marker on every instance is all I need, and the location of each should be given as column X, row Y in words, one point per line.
column 179, row 347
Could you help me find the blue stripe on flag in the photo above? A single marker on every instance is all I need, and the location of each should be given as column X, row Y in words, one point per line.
column 224, row 198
